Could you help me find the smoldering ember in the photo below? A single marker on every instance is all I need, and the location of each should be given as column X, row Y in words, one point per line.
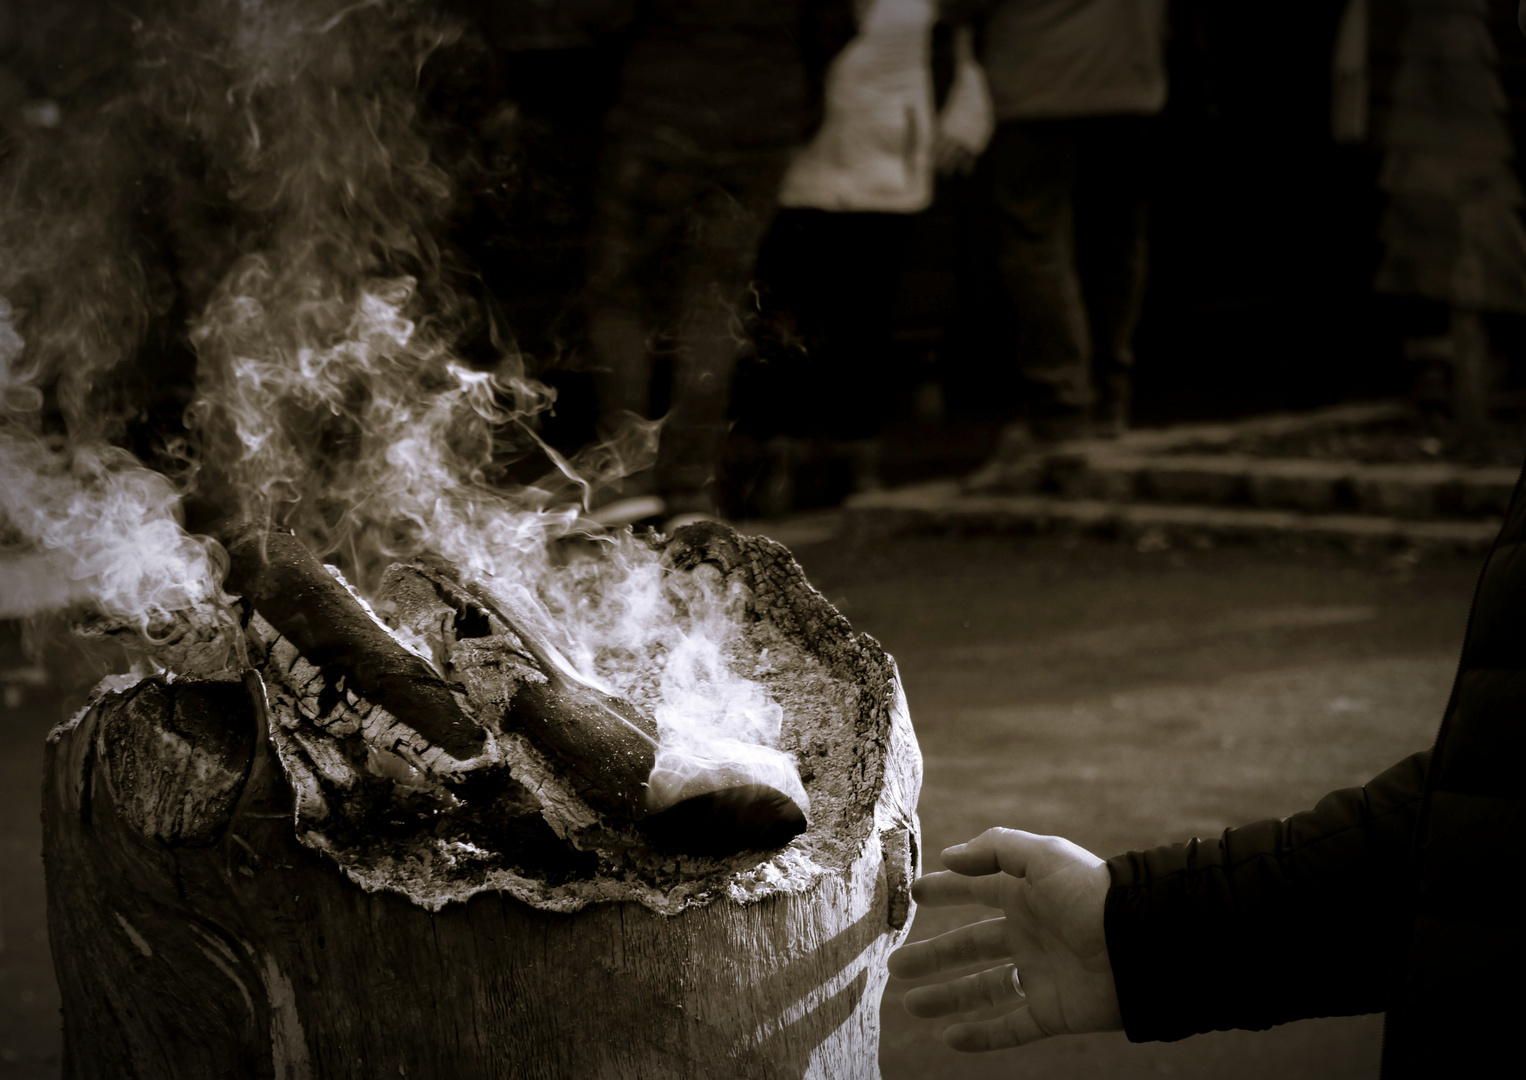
column 398, row 754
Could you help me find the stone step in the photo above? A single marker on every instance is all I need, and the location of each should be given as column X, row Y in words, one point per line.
column 944, row 507
column 1193, row 464
column 1268, row 425
column 1414, row 491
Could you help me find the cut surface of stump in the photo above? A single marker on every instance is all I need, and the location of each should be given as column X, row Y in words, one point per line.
column 291, row 891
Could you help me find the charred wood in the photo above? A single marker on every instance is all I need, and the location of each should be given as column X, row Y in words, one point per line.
column 288, row 586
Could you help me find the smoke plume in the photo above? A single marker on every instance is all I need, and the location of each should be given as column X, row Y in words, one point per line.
column 225, row 293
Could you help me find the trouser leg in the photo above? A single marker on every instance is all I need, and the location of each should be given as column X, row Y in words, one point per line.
column 636, row 234
column 624, row 377
column 709, row 339
column 1111, row 230
column 1033, row 172
column 840, row 304
column 716, row 313
column 855, row 359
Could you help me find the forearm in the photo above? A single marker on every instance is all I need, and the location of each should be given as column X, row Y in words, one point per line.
column 1272, row 922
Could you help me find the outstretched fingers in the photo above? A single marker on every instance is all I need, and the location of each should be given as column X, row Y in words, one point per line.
column 958, row 948
column 996, row 986
column 948, row 889
column 1010, row 851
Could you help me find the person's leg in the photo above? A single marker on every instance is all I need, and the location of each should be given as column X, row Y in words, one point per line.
column 617, row 334
column 1111, row 231
column 633, row 235
column 854, row 352
column 794, row 276
column 709, row 337
column 858, row 301
column 629, row 294
column 725, row 226
column 1033, row 169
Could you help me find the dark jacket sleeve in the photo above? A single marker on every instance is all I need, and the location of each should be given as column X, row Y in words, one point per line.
column 1272, row 922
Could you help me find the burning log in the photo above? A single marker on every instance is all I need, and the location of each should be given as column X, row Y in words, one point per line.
column 240, row 878
column 292, row 590
column 609, row 746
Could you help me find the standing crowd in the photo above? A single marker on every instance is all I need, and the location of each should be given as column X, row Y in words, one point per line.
column 818, row 126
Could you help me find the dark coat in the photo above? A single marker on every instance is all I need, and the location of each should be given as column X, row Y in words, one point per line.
column 721, row 75
column 1406, row 895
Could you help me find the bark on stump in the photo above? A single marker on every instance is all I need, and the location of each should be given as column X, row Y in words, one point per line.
column 197, row 931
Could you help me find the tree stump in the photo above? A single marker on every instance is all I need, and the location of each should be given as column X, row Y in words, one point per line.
column 221, row 903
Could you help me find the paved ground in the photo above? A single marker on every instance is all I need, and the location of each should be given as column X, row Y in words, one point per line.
column 1123, row 698
column 1128, row 699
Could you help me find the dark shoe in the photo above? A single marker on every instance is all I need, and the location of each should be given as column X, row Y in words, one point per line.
column 1016, row 448
column 776, row 488
column 864, row 457
column 1057, row 427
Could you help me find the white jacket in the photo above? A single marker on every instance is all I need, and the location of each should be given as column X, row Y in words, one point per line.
column 874, row 150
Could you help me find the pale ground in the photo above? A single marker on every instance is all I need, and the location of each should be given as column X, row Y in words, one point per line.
column 1121, row 698
column 1128, row 699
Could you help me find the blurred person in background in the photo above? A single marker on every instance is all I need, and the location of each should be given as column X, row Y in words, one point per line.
column 1074, row 84
column 713, row 97
column 832, row 263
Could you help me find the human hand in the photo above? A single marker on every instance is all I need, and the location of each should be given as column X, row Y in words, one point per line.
column 951, row 155
column 1050, row 937
column 965, row 124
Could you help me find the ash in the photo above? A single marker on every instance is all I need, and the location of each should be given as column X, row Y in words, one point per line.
column 508, row 821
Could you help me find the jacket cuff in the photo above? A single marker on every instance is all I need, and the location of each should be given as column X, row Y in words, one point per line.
column 1274, row 921
column 1158, row 965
